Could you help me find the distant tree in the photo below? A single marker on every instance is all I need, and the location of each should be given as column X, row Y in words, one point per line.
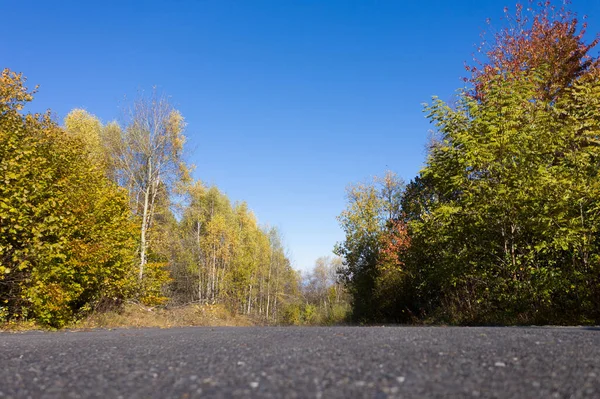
column 224, row 256
column 324, row 292
column 374, row 228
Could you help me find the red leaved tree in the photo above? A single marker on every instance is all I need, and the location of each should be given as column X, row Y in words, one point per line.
column 393, row 243
column 543, row 38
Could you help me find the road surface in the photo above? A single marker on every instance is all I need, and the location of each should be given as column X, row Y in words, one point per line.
column 309, row 362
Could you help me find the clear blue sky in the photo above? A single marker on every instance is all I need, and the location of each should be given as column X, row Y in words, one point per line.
column 287, row 101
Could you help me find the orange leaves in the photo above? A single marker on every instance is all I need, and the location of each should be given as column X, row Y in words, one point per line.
column 393, row 242
column 542, row 39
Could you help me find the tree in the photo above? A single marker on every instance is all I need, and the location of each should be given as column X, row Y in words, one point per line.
column 65, row 230
column 149, row 159
column 87, row 128
column 373, row 225
column 223, row 256
column 324, row 295
column 502, row 217
column 282, row 282
column 542, row 38
column 501, row 224
column 102, row 142
column 513, row 230
column 68, row 228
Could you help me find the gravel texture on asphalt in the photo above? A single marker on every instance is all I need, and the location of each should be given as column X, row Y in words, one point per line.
column 303, row 362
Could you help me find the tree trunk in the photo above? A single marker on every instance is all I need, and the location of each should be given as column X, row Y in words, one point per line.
column 249, row 298
column 269, row 286
column 145, row 218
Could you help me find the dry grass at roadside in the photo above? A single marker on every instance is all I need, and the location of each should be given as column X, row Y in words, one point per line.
column 20, row 326
column 134, row 315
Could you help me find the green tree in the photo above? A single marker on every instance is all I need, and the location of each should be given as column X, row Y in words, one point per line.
column 374, row 229
column 514, row 238
column 503, row 217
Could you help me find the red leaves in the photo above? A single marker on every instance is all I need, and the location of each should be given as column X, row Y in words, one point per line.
column 542, row 39
column 393, row 243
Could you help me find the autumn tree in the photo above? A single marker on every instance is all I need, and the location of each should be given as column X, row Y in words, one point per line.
column 281, row 284
column 101, row 141
column 223, row 256
column 502, row 219
column 68, row 231
column 374, row 228
column 539, row 37
column 65, row 230
column 87, row 128
column 149, row 159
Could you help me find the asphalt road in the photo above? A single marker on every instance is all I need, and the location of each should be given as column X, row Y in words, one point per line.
column 317, row 362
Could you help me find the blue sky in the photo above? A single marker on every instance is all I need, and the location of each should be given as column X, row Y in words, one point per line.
column 287, row 101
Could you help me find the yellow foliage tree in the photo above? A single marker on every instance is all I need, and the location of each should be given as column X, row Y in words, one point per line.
column 65, row 230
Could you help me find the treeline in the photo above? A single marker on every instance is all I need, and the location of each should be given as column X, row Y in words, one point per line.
column 501, row 226
column 323, row 299
column 217, row 253
column 88, row 221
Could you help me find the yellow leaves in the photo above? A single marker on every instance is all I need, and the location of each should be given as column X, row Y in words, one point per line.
column 155, row 277
column 4, row 271
column 85, row 126
column 175, row 125
column 65, row 233
column 13, row 93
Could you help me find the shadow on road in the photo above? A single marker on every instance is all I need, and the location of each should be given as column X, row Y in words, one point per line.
column 590, row 328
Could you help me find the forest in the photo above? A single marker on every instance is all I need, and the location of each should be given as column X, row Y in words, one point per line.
column 501, row 225
column 93, row 215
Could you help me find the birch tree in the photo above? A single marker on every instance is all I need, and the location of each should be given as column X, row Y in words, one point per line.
column 149, row 155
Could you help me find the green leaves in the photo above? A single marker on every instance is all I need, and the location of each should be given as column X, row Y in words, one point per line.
column 515, row 215
column 375, row 234
column 504, row 218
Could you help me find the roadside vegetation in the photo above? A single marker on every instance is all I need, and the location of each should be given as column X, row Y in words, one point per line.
column 501, row 226
column 102, row 225
column 90, row 231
